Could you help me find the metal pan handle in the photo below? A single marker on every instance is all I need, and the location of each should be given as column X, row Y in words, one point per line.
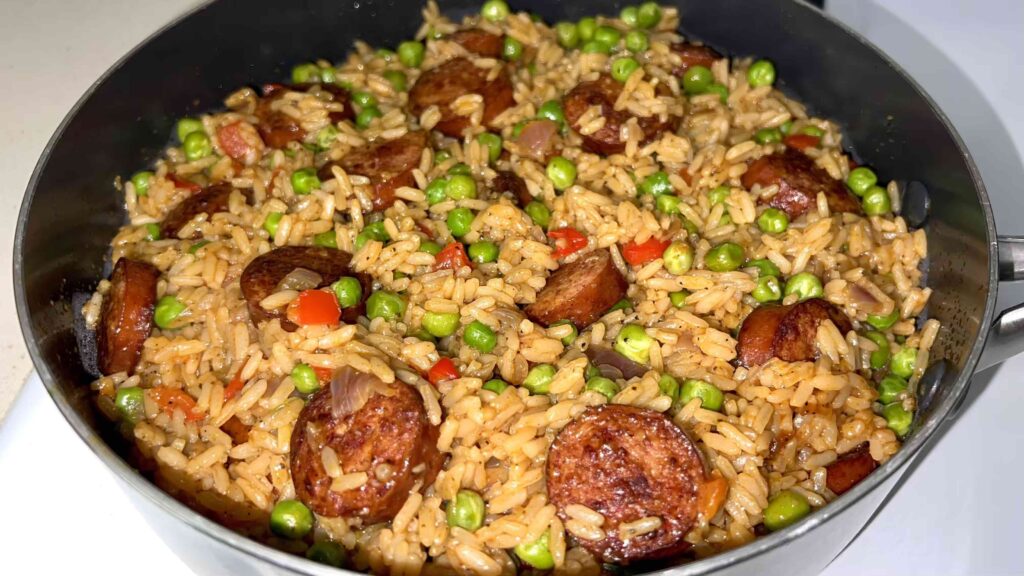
column 1006, row 335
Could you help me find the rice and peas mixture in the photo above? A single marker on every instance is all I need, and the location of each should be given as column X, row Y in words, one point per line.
column 696, row 246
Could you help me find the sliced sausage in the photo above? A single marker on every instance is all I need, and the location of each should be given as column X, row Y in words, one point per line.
column 850, row 469
column 389, row 438
column 126, row 317
column 442, row 85
column 627, row 463
column 693, row 55
column 799, row 180
column 209, row 201
column 786, row 332
column 580, row 292
column 388, row 164
column 278, row 129
column 479, row 42
column 604, row 92
column 262, row 276
column 508, row 182
column 238, row 431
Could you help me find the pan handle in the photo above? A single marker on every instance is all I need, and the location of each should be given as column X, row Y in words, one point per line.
column 1006, row 336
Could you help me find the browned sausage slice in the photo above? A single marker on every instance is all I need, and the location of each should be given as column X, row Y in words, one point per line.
column 799, row 180
column 850, row 469
column 278, row 129
column 209, row 201
column 388, row 164
column 604, row 92
column 694, row 55
column 580, row 292
column 627, row 463
column 786, row 332
column 479, row 42
column 126, row 317
column 262, row 276
column 389, row 438
column 508, row 182
column 442, row 85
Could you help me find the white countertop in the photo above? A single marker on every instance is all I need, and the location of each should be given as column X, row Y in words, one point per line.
column 959, row 513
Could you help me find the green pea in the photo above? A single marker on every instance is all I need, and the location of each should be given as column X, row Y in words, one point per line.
column 495, row 10
column 373, row 231
column 410, row 53
column 304, row 378
column 603, row 385
column 634, row 343
column 511, row 49
column 539, row 213
column 595, row 47
column 861, row 179
column 697, row 79
column 197, row 145
column 430, row 247
column 348, row 290
column 637, row 42
column 130, row 404
column 493, row 144
column 168, row 308
column 567, row 340
column 879, row 358
column 327, row 553
column 327, row 75
column 291, row 519
column 305, row 73
column 140, row 181
column 483, row 252
column 591, row 372
column 271, row 222
column 536, row 553
column 495, row 385
column 725, row 257
column 397, row 79
column 786, row 127
column 586, row 28
column 459, row 220
column 607, row 35
column 898, row 418
column 538, row 379
column 466, row 511
column 365, row 116
column 768, row 136
column 891, row 388
column 195, row 247
column 761, row 73
column 326, row 239
column 773, row 221
column 326, row 136
column 764, row 267
column 656, row 184
column 876, row 201
column 648, row 15
column 305, row 181
column 461, row 187
column 188, row 126
column 721, row 90
column 362, row 99
column 437, row 191
column 568, row 35
column 768, row 289
column 669, row 386
column 719, row 194
column 386, row 305
column 628, row 16
column 678, row 257
column 623, row 68
column 552, row 110
column 812, row 130
column 423, row 335
column 442, row 156
column 904, row 362
column 480, row 336
column 460, row 169
column 562, row 172
column 440, row 324
column 711, row 398
column 805, row 285
column 152, row 232
column 623, row 304
column 786, row 508
column 884, row 322
column 678, row 299
column 667, row 203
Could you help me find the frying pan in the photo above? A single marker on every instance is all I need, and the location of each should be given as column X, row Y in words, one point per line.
column 124, row 120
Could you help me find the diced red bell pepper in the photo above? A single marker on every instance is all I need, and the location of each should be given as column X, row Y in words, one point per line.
column 171, row 399
column 452, row 257
column 568, row 241
column 323, row 374
column 640, row 254
column 184, row 184
column 235, row 386
column 684, row 173
column 801, row 141
column 443, row 370
column 232, row 140
column 315, row 307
